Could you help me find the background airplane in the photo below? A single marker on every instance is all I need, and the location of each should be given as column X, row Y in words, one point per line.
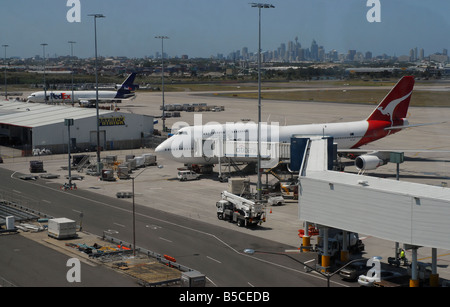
column 387, row 118
column 87, row 97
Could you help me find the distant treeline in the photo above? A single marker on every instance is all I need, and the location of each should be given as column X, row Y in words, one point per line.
column 311, row 72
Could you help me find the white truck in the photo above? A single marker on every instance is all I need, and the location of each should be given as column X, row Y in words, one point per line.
column 239, row 210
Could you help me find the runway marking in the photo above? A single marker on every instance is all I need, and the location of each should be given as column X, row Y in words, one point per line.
column 18, row 192
column 154, row 227
column 120, row 225
column 213, row 259
column 46, row 201
column 79, row 212
column 166, row 240
column 250, row 285
column 210, row 280
column 296, row 251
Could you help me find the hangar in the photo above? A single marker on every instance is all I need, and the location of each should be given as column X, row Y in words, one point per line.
column 32, row 126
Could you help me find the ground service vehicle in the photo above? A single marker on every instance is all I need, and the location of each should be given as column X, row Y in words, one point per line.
column 187, row 175
column 275, row 201
column 240, row 210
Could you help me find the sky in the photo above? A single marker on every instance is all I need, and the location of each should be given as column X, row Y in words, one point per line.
column 201, row 28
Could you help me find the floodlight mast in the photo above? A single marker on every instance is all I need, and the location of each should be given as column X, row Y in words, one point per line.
column 162, row 37
column 259, row 6
column 96, row 89
column 71, row 59
column 45, row 82
column 6, row 82
column 262, row 5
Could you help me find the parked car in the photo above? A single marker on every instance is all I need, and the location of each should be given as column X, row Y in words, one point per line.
column 354, row 270
column 187, row 175
column 368, row 281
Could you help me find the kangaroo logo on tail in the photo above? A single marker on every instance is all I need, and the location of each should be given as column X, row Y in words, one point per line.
column 389, row 109
column 395, row 104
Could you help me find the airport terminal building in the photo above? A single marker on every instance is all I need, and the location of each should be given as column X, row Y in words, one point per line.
column 31, row 126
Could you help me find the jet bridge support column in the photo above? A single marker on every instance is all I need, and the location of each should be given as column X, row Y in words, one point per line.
column 344, row 251
column 306, row 240
column 326, row 252
column 414, row 281
column 434, row 277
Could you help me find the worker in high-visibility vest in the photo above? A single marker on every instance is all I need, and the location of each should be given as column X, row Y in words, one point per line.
column 402, row 256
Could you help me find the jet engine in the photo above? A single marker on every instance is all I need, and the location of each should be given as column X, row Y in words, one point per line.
column 371, row 161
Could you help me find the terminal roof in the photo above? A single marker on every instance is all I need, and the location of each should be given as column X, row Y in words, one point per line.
column 32, row 115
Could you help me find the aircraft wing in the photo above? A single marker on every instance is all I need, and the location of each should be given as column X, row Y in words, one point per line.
column 102, row 100
column 357, row 152
column 415, row 125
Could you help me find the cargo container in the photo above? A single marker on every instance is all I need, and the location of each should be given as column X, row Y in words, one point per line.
column 62, row 228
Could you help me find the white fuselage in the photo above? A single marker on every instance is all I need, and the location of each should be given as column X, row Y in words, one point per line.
column 186, row 145
column 66, row 96
column 203, row 144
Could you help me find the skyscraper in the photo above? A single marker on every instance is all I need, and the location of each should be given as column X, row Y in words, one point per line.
column 421, row 54
column 245, row 53
column 314, row 51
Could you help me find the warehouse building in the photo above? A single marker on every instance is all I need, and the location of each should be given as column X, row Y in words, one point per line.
column 31, row 126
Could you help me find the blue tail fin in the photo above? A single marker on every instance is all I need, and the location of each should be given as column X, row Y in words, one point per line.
column 128, row 83
column 127, row 88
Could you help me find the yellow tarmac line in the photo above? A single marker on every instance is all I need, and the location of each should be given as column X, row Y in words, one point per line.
column 448, row 254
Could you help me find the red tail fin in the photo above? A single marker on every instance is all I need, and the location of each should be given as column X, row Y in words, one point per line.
column 395, row 105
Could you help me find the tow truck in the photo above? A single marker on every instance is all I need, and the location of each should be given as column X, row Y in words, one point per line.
column 239, row 210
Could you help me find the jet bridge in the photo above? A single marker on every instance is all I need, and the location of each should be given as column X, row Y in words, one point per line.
column 411, row 213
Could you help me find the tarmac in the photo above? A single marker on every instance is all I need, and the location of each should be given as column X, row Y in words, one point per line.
column 157, row 186
column 94, row 251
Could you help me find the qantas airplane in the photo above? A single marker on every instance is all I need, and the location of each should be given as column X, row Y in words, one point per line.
column 87, row 97
column 188, row 144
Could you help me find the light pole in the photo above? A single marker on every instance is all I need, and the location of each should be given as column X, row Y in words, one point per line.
column 134, row 213
column 71, row 59
column 259, row 6
column 69, row 122
column 45, row 83
column 96, row 89
column 6, row 83
column 162, row 79
column 134, row 218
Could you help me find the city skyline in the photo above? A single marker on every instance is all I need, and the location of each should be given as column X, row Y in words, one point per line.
column 295, row 51
column 204, row 28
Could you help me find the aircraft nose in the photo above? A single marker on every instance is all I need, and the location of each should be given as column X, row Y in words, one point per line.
column 159, row 148
column 162, row 148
